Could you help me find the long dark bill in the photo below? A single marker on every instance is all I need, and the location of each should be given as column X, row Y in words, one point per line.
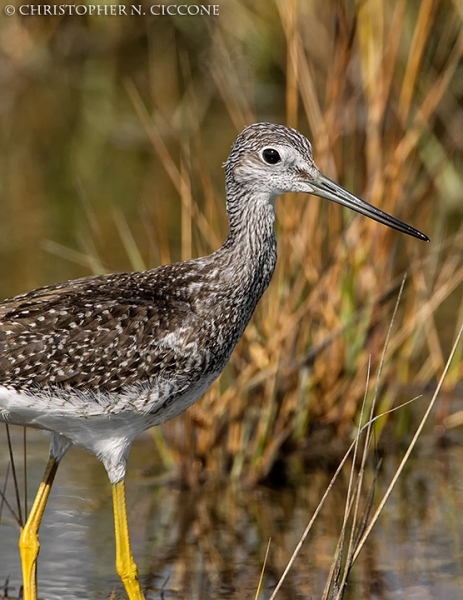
column 325, row 188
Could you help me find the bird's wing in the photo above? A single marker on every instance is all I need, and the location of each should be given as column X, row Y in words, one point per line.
column 102, row 333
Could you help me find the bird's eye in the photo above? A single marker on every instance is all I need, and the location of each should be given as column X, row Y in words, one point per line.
column 271, row 156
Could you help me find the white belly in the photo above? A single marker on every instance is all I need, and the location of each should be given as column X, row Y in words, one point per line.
column 104, row 424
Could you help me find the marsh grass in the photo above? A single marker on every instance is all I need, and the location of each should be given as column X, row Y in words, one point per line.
column 373, row 100
column 359, row 517
column 376, row 89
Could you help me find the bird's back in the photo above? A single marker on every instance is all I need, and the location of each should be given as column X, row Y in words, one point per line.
column 105, row 332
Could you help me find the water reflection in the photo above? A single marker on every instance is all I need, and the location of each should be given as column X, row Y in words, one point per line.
column 210, row 542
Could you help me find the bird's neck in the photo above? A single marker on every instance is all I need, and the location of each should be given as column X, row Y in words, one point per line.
column 250, row 209
column 251, row 244
column 239, row 272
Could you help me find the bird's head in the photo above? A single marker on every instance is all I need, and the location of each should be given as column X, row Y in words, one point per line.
column 273, row 159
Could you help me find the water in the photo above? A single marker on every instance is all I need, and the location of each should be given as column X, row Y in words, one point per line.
column 210, row 542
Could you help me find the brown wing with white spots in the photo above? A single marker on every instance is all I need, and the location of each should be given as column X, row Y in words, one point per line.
column 97, row 333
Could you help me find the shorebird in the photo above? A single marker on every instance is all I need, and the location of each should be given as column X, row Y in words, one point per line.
column 96, row 361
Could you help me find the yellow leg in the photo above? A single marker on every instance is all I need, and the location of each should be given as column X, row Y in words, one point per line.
column 29, row 539
column 125, row 565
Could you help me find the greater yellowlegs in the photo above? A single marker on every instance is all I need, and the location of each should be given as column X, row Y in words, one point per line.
column 98, row 360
